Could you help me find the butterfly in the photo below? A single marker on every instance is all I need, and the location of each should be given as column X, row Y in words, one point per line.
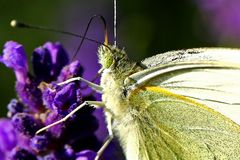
column 181, row 104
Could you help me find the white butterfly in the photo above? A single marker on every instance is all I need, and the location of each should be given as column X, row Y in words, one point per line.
column 177, row 105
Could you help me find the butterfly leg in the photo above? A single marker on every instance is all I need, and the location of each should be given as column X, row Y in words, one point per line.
column 90, row 84
column 109, row 138
column 96, row 104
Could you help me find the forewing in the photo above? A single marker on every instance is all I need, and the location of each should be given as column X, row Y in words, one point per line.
column 195, row 54
column 175, row 127
column 208, row 76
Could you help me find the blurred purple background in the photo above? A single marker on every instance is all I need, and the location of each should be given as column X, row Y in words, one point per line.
column 144, row 28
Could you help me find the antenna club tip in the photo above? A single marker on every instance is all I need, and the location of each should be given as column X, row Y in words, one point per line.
column 13, row 23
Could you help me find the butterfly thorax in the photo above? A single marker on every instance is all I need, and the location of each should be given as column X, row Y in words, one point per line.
column 116, row 68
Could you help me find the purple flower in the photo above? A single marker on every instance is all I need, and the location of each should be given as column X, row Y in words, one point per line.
column 40, row 143
column 29, row 94
column 14, row 57
column 58, row 55
column 42, row 102
column 26, row 124
column 8, row 136
column 48, row 93
column 2, row 155
column 56, row 130
column 22, row 154
column 14, row 107
column 73, row 70
column 42, row 64
column 48, row 61
column 86, row 155
column 65, row 153
column 63, row 99
column 69, row 152
column 68, row 97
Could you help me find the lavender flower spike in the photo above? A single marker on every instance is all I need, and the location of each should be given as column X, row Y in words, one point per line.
column 41, row 102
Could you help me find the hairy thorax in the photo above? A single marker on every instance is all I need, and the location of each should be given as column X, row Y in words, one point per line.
column 124, row 124
column 113, row 96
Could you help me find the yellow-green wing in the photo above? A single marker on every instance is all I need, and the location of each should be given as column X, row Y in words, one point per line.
column 171, row 126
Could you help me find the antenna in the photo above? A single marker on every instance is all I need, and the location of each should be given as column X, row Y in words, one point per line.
column 16, row 24
column 115, row 22
column 85, row 33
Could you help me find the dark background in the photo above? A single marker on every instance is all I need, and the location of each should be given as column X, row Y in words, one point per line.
column 144, row 28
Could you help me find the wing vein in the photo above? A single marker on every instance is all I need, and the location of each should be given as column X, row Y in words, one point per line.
column 212, row 100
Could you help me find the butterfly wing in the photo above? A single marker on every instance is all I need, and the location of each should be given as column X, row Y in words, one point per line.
column 208, row 76
column 195, row 54
column 171, row 126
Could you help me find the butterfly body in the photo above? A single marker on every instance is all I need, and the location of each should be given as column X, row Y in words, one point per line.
column 155, row 120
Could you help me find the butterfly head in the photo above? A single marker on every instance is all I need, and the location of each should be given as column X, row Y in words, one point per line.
column 110, row 56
